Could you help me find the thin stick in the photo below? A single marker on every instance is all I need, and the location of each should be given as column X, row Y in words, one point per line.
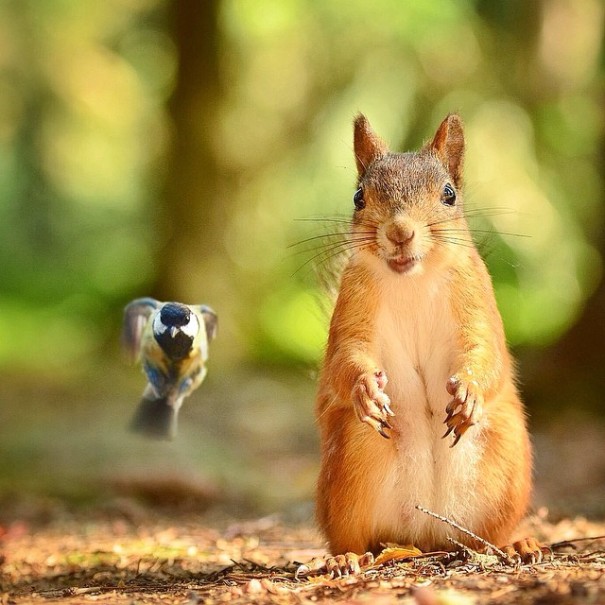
column 468, row 532
column 461, row 546
column 574, row 540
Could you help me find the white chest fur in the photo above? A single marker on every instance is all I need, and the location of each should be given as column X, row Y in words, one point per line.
column 415, row 336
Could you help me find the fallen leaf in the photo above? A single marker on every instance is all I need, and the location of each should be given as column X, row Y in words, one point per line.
column 397, row 553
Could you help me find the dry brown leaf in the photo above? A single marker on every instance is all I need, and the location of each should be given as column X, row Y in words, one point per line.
column 397, row 553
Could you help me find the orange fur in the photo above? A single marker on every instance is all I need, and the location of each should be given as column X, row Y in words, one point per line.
column 422, row 309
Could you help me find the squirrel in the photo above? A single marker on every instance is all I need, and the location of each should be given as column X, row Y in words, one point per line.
column 416, row 349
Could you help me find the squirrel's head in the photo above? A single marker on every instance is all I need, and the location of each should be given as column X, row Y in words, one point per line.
column 409, row 205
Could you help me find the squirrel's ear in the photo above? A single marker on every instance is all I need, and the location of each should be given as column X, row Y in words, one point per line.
column 368, row 146
column 448, row 146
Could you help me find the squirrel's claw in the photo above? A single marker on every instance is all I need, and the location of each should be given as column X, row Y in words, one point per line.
column 447, row 432
column 387, row 408
column 465, row 409
column 372, row 405
column 381, row 431
column 377, row 424
column 527, row 551
column 336, row 566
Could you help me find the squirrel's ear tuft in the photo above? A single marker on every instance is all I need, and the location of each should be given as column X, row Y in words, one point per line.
column 368, row 146
column 448, row 146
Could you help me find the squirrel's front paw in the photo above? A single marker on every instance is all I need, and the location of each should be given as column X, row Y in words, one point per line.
column 371, row 403
column 466, row 408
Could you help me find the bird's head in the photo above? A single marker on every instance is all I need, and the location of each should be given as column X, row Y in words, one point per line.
column 175, row 328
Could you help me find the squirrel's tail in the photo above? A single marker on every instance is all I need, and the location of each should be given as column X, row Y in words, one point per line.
column 155, row 418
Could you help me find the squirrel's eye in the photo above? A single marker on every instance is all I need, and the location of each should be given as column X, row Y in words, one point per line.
column 358, row 200
column 449, row 195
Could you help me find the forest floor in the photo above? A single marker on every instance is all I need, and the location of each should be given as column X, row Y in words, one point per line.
column 186, row 560
column 89, row 513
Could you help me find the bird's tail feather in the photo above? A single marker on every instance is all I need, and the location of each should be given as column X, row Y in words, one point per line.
column 155, row 418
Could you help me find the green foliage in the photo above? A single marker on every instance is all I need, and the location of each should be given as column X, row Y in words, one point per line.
column 81, row 125
column 533, row 129
column 84, row 130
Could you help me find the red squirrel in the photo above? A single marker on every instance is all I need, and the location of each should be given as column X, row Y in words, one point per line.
column 417, row 401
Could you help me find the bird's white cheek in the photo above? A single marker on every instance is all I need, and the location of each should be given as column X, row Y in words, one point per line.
column 192, row 328
column 158, row 326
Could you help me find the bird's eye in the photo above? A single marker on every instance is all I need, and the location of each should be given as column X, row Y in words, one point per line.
column 358, row 200
column 449, row 195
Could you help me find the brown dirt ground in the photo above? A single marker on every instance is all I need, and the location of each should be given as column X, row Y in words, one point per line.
column 168, row 560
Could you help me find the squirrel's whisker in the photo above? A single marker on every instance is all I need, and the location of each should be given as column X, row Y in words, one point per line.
column 330, row 252
column 466, row 243
column 328, row 246
column 344, row 221
column 489, row 231
column 327, row 235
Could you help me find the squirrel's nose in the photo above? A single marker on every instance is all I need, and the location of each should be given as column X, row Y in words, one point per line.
column 399, row 234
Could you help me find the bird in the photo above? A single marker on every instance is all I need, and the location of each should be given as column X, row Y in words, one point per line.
column 170, row 340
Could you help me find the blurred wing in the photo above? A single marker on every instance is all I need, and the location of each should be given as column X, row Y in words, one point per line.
column 210, row 321
column 136, row 316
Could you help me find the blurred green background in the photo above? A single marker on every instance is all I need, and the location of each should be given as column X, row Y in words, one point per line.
column 172, row 148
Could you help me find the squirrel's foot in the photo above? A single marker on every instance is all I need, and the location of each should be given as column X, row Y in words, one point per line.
column 336, row 566
column 466, row 408
column 371, row 403
column 528, row 551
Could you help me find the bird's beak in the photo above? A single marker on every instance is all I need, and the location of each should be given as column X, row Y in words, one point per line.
column 173, row 331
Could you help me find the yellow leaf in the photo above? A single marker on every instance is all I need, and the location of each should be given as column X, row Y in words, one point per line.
column 397, row 553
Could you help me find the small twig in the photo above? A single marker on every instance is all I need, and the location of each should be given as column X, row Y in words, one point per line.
column 254, row 566
column 238, row 565
column 219, row 573
column 73, row 591
column 473, row 556
column 461, row 546
column 468, row 532
column 573, row 541
column 590, row 556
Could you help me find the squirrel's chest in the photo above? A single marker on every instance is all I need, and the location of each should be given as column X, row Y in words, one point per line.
column 415, row 337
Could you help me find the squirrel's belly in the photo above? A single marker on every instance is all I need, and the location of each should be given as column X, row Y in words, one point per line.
column 425, row 470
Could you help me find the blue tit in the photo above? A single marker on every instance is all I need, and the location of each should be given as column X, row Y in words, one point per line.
column 171, row 342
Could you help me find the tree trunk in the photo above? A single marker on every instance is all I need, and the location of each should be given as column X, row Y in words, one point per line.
column 571, row 374
column 191, row 218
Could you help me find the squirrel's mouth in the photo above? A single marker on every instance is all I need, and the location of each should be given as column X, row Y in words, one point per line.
column 404, row 264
